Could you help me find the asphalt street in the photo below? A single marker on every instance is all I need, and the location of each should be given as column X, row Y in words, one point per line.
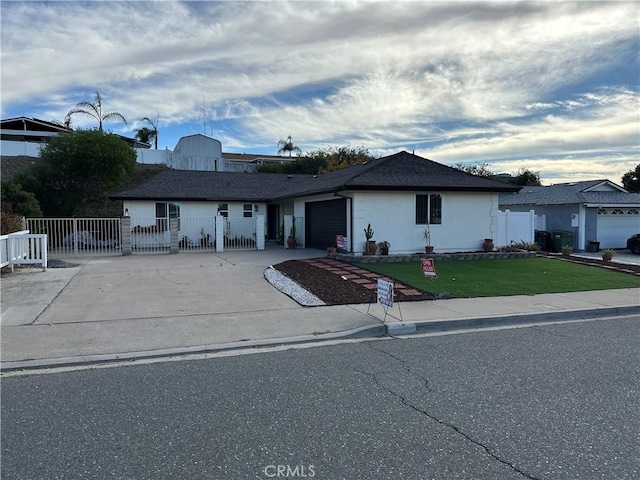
column 546, row 402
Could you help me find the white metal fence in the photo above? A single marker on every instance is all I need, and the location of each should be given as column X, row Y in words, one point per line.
column 23, row 248
column 197, row 234
column 150, row 235
column 239, row 233
column 78, row 236
column 99, row 236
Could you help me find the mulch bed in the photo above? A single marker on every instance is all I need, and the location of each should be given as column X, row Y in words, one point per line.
column 324, row 278
column 339, row 283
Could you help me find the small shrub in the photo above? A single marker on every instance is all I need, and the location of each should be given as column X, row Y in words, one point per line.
column 528, row 246
column 10, row 223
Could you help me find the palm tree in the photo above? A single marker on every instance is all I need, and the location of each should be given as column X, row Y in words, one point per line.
column 94, row 110
column 288, row 146
column 145, row 134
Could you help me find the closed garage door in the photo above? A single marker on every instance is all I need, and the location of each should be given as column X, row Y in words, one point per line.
column 325, row 220
column 615, row 225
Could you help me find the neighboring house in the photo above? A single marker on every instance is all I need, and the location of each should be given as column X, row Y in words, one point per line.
column 595, row 210
column 399, row 195
column 23, row 136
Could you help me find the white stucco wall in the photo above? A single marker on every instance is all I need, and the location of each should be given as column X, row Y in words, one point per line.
column 467, row 219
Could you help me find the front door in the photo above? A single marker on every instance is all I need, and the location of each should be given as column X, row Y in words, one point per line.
column 273, row 220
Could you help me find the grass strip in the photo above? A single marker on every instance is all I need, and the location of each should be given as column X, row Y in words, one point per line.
column 495, row 278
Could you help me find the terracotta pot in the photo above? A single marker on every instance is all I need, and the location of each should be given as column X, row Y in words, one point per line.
column 373, row 247
column 607, row 258
column 488, row 245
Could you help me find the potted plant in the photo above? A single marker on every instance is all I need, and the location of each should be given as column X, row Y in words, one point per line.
column 427, row 238
column 607, row 254
column 291, row 240
column 370, row 246
column 487, row 245
column 384, row 247
column 566, row 250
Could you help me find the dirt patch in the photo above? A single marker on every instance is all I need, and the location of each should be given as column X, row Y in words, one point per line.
column 340, row 283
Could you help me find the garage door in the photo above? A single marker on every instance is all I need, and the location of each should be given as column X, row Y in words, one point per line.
column 325, row 220
column 615, row 225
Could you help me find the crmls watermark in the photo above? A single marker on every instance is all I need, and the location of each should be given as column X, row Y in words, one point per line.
column 288, row 471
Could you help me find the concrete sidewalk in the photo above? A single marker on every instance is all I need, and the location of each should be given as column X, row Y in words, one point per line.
column 153, row 305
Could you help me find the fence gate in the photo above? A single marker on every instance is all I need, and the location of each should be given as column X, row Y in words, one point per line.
column 239, row 233
column 78, row 236
column 150, row 235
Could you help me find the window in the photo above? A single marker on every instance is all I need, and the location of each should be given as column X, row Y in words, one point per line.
column 223, row 209
column 429, row 209
column 247, row 210
column 165, row 211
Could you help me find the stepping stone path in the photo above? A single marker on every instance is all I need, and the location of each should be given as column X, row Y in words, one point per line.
column 364, row 278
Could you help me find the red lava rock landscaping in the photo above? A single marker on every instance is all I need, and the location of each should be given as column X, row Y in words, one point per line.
column 324, row 278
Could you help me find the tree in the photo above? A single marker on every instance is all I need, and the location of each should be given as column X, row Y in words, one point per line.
column 523, row 177
column 94, row 110
column 480, row 169
column 286, row 145
column 631, row 180
column 336, row 158
column 526, row 178
column 145, row 134
column 322, row 160
column 78, row 172
column 21, row 202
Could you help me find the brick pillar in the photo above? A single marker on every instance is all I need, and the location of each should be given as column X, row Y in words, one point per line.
column 173, row 235
column 125, row 235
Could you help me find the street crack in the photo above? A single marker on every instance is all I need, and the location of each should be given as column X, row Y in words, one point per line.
column 453, row 427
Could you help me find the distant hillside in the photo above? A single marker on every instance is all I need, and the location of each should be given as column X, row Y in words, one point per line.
column 11, row 167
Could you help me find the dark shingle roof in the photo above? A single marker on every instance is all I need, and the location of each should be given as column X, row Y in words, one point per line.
column 195, row 185
column 402, row 171
column 568, row 194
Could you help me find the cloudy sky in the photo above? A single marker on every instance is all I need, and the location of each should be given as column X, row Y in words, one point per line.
column 550, row 86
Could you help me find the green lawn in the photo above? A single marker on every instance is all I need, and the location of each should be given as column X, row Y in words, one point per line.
column 492, row 278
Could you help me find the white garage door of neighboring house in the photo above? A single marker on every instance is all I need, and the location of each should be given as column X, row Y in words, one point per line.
column 615, row 225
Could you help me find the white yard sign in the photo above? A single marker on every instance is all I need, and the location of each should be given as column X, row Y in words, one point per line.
column 385, row 293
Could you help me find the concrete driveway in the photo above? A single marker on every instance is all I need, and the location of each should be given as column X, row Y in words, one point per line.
column 152, row 302
column 621, row 256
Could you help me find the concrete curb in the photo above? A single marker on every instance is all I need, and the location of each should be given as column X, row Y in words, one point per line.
column 368, row 331
column 410, row 328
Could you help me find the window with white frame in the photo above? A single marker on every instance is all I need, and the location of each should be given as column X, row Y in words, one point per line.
column 223, row 209
column 165, row 211
column 429, row 209
column 247, row 210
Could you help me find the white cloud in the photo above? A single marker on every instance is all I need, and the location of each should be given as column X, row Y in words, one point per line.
column 378, row 74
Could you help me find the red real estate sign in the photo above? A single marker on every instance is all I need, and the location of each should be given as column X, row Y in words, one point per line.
column 428, row 268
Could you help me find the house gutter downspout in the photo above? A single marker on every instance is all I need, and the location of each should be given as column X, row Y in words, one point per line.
column 336, row 194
